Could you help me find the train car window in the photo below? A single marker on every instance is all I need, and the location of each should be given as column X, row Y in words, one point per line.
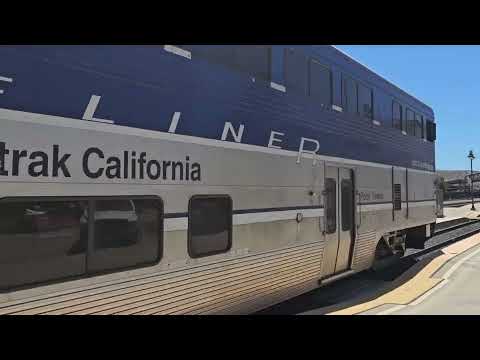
column 365, row 101
column 397, row 197
column 41, row 241
column 209, row 225
column 296, row 71
column 397, row 116
column 331, row 205
column 418, row 126
column 431, row 131
column 410, row 120
column 320, row 83
column 126, row 233
column 347, row 204
column 350, row 95
column 251, row 60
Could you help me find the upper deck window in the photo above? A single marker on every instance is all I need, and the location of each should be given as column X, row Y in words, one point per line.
column 252, row 60
column 431, row 131
column 320, row 83
column 424, row 126
column 397, row 122
column 410, row 120
column 418, row 126
column 296, row 72
column 349, row 95
column 365, row 101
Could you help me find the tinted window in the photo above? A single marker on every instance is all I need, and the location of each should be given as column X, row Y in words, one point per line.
column 331, row 205
column 397, row 116
column 209, row 225
column 126, row 233
column 410, row 117
column 296, row 72
column 320, row 83
column 397, row 197
column 349, row 94
column 252, row 60
column 418, row 126
column 431, row 131
column 347, row 204
column 42, row 241
column 365, row 101
column 47, row 240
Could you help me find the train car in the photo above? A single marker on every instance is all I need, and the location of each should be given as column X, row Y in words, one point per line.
column 201, row 179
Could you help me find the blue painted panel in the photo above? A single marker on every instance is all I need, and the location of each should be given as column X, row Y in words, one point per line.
column 142, row 86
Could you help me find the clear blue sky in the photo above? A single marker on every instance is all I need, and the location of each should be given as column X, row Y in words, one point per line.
column 447, row 78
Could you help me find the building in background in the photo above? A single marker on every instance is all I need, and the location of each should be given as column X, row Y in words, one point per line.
column 457, row 184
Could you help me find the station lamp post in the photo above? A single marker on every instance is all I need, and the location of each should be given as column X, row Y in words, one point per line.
column 471, row 157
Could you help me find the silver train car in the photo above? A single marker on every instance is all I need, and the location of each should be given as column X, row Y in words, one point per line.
column 196, row 179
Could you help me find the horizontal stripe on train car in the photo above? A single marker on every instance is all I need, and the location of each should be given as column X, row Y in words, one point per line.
column 389, row 205
column 250, row 211
column 173, row 223
column 390, row 201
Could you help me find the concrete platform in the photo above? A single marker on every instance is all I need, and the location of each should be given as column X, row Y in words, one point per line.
column 457, row 294
column 452, row 213
column 447, row 283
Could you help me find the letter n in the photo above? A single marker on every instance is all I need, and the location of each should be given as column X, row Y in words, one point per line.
column 237, row 136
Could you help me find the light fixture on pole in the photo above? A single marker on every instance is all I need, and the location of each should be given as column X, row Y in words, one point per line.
column 471, row 157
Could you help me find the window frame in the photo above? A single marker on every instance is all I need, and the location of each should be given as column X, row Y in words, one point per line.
column 359, row 110
column 408, row 125
column 306, row 91
column 90, row 225
column 230, row 226
column 231, row 60
column 350, row 205
column 400, row 106
column 311, row 62
column 419, row 125
column 431, row 134
column 345, row 103
column 331, row 210
column 242, row 68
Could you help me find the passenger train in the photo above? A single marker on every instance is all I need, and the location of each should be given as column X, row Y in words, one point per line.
column 201, row 179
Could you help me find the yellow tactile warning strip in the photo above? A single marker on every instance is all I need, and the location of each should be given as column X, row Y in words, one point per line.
column 418, row 284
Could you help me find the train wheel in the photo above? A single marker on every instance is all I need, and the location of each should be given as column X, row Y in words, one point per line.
column 385, row 256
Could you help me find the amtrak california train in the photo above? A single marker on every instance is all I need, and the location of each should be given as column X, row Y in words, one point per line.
column 201, row 179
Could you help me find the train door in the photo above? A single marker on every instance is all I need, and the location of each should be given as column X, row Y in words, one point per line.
column 339, row 220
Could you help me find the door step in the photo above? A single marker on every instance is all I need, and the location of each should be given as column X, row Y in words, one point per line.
column 336, row 277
